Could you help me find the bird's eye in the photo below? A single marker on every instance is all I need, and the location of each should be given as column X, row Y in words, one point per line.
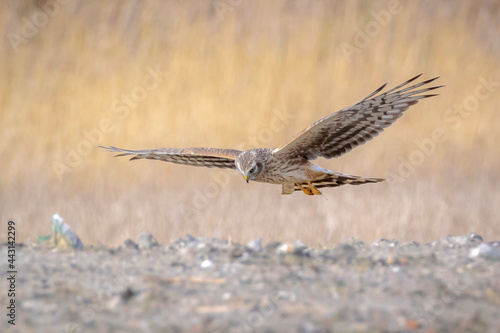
column 252, row 170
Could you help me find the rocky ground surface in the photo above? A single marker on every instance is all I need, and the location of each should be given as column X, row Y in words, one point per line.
column 212, row 285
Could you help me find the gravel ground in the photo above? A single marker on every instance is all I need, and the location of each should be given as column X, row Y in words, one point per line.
column 212, row 285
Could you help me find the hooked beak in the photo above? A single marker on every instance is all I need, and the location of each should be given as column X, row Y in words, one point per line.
column 246, row 178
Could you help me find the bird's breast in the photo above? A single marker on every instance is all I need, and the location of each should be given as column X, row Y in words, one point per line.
column 286, row 171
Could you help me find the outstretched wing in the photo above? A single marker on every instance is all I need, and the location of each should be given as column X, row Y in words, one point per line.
column 201, row 157
column 340, row 132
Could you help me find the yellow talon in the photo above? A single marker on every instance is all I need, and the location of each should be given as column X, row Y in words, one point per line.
column 306, row 190
column 309, row 189
column 313, row 189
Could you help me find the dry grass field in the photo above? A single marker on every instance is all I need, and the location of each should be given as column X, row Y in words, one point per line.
column 241, row 74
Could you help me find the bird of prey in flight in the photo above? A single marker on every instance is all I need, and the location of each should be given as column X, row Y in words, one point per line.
column 290, row 165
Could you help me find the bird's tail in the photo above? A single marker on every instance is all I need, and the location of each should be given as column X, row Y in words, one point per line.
column 334, row 179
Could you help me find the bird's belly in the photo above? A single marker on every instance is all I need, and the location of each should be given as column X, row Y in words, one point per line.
column 296, row 174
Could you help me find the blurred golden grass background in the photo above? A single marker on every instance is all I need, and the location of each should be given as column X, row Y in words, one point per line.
column 229, row 68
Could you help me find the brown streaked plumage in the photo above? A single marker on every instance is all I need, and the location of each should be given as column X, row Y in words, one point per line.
column 290, row 165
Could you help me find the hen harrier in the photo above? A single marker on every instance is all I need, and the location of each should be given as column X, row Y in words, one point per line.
column 289, row 165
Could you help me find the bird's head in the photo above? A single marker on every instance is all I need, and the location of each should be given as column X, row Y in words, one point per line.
column 249, row 163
